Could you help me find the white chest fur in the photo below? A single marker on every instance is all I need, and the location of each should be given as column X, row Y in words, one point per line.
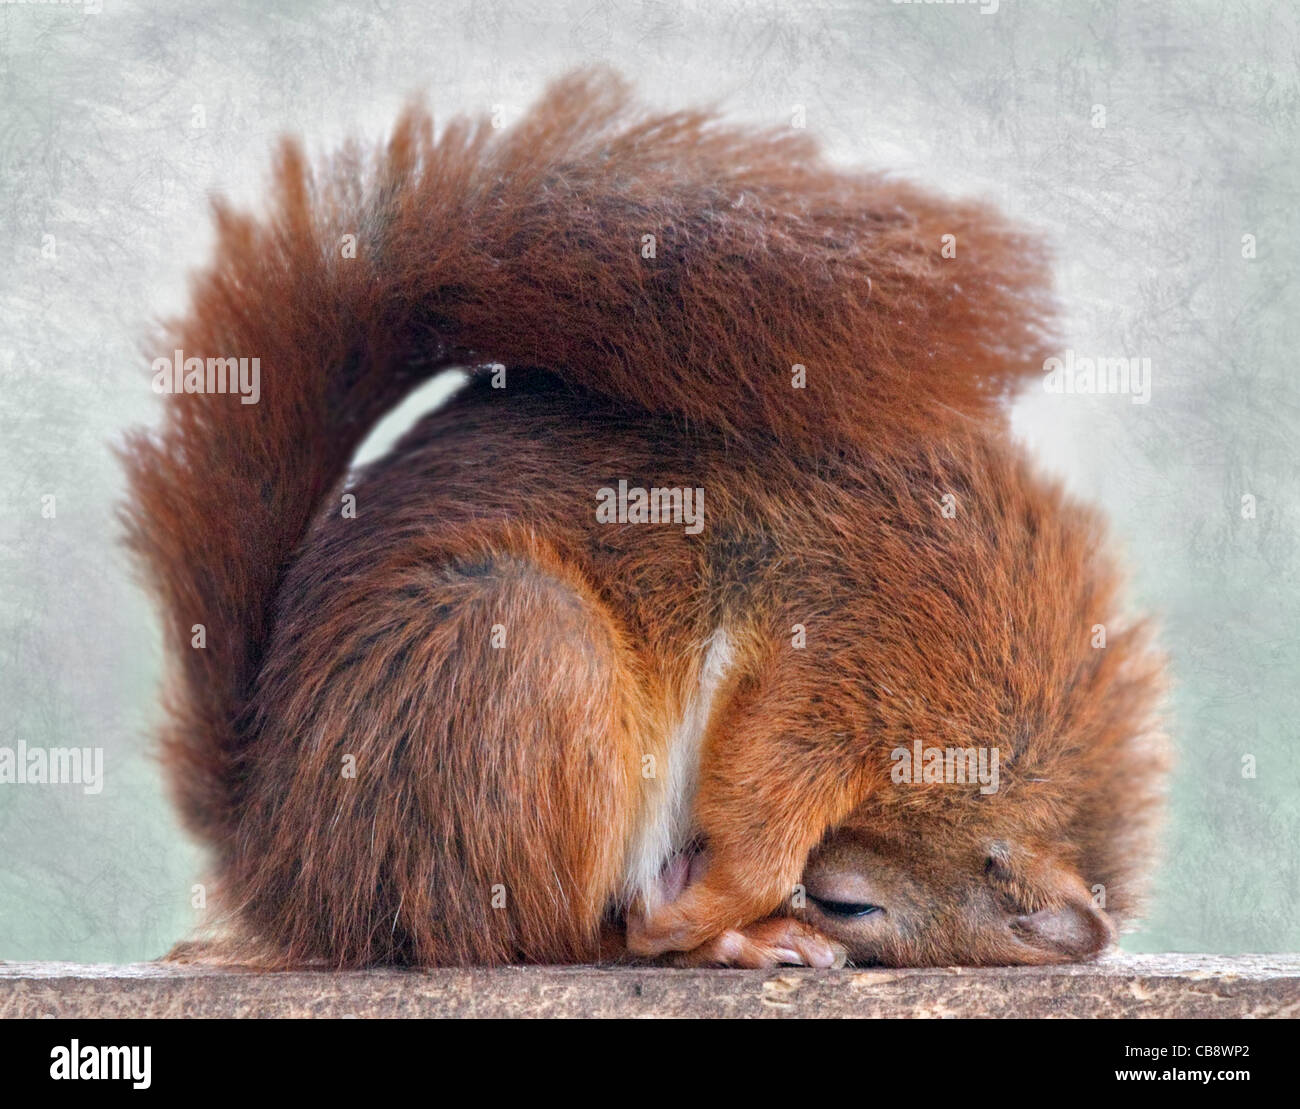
column 665, row 825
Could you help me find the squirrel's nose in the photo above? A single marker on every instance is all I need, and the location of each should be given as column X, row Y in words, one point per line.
column 1073, row 931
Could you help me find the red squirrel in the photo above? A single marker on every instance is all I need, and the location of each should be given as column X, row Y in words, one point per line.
column 643, row 645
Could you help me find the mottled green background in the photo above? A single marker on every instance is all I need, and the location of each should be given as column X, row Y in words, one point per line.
column 99, row 149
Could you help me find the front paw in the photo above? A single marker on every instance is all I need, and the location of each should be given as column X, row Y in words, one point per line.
column 697, row 901
column 679, row 925
column 777, row 941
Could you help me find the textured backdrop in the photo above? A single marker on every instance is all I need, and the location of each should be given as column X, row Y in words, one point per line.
column 1155, row 143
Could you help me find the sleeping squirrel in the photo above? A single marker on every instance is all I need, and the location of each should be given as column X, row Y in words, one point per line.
column 717, row 619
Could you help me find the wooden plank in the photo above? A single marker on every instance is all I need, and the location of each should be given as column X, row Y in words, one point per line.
column 1119, row 986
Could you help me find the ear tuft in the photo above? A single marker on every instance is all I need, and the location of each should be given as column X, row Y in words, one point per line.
column 997, row 861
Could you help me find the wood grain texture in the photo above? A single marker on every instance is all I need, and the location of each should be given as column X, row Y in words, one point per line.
column 1119, row 986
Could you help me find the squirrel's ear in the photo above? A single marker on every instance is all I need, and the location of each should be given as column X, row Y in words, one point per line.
column 1074, row 930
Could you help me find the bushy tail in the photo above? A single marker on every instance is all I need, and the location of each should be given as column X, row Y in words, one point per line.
column 671, row 261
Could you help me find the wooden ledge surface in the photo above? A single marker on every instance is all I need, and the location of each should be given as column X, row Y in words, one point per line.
column 1117, row 986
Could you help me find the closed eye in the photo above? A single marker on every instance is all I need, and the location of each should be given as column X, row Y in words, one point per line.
column 845, row 908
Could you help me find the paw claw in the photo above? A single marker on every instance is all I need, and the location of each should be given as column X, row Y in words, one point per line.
column 777, row 941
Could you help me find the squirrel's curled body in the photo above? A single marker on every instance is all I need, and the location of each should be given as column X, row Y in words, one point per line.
column 474, row 721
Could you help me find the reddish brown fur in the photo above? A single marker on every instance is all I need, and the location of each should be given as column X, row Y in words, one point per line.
column 519, row 767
